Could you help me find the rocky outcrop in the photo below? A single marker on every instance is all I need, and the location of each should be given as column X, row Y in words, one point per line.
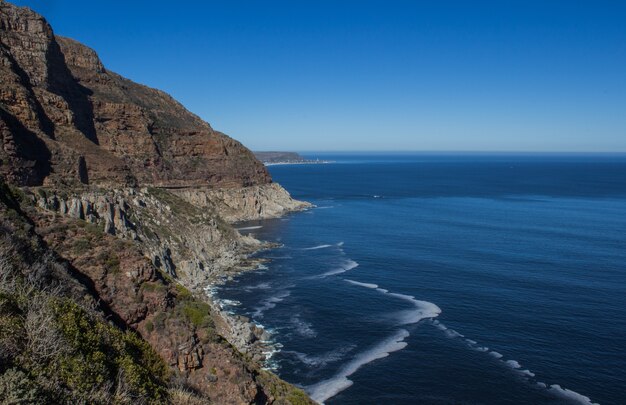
column 66, row 119
column 185, row 241
column 244, row 204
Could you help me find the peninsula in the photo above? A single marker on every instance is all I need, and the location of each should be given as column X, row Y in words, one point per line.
column 285, row 158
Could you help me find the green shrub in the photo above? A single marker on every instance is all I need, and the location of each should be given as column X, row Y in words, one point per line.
column 101, row 352
column 182, row 293
column 17, row 388
column 198, row 313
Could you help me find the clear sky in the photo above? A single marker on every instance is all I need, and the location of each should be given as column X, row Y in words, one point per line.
column 374, row 75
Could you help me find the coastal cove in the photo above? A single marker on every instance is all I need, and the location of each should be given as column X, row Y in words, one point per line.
column 493, row 278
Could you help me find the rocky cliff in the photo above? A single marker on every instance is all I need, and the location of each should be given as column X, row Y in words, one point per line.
column 132, row 197
column 64, row 118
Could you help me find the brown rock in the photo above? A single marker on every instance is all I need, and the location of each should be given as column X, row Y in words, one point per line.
column 65, row 119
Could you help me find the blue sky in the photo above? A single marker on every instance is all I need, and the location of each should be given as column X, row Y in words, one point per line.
column 374, row 75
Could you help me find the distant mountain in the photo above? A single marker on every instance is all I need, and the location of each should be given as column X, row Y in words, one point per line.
column 279, row 157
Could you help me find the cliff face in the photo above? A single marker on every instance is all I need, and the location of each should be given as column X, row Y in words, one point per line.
column 64, row 118
column 127, row 199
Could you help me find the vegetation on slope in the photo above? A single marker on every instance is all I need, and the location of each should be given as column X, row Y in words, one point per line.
column 86, row 318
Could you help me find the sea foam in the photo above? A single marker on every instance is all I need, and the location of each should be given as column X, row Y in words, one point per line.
column 317, row 247
column 570, row 395
column 554, row 389
column 303, row 328
column 366, row 285
column 321, row 360
column 345, row 266
column 423, row 309
column 249, row 228
column 269, row 303
column 326, row 389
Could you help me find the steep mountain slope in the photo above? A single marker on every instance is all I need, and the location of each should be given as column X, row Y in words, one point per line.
column 116, row 206
column 65, row 118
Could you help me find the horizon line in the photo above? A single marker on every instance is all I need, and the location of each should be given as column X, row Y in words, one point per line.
column 442, row 151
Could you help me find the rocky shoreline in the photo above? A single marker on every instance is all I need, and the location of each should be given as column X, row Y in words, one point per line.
column 143, row 214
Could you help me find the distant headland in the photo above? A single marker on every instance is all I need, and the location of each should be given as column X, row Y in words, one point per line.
column 285, row 158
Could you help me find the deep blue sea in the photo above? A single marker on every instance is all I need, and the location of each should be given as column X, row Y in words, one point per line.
column 447, row 279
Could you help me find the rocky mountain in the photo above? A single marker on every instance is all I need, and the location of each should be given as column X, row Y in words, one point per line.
column 65, row 118
column 116, row 205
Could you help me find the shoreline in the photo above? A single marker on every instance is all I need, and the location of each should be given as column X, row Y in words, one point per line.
column 249, row 337
column 312, row 162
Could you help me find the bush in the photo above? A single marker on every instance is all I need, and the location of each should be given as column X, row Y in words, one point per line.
column 17, row 388
column 101, row 353
column 198, row 313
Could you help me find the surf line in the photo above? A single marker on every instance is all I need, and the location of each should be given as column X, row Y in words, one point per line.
column 554, row 389
column 326, row 389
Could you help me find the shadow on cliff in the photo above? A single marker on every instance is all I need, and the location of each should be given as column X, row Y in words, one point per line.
column 63, row 83
column 33, row 152
column 45, row 123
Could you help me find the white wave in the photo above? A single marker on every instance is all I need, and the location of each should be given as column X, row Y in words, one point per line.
column 269, row 303
column 570, row 395
column 325, row 207
column 495, row 354
column 228, row 303
column 249, row 228
column 513, row 364
column 326, row 389
column 321, row 360
column 554, row 389
column 340, row 244
column 526, row 372
column 346, row 266
column 261, row 286
column 303, row 328
column 366, row 285
column 423, row 309
column 317, row 247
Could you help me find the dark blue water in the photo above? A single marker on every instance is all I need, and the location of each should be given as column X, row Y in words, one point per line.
column 448, row 279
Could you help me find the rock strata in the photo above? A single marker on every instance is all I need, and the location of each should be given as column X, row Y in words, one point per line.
column 65, row 118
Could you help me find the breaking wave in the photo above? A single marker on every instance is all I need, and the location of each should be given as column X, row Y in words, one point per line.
column 346, row 266
column 570, row 395
column 366, row 285
column 514, row 365
column 326, row 389
column 320, row 360
column 302, row 328
column 269, row 303
column 249, row 228
column 317, row 247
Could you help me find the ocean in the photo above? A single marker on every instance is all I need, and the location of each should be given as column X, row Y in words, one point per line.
column 447, row 279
